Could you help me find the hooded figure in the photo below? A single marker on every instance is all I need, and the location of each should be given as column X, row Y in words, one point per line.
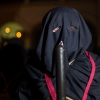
column 13, row 57
column 67, row 25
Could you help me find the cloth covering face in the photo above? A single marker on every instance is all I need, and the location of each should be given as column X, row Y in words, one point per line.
column 72, row 30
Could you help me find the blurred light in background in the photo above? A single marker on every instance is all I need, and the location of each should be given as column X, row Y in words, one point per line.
column 7, row 30
column 18, row 34
column 11, row 28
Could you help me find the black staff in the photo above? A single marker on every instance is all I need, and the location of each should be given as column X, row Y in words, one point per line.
column 60, row 71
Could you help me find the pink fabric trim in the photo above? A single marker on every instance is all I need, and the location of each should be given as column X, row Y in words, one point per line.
column 91, row 76
column 50, row 87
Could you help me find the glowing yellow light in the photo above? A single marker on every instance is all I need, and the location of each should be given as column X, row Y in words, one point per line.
column 7, row 30
column 18, row 34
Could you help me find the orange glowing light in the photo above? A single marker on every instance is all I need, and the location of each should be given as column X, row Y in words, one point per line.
column 7, row 30
column 18, row 34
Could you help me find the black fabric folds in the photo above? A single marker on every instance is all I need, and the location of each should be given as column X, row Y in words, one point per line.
column 72, row 30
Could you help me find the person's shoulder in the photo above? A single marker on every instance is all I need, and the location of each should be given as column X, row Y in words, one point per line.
column 96, row 58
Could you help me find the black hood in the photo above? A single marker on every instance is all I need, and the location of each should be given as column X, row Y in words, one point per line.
column 73, row 32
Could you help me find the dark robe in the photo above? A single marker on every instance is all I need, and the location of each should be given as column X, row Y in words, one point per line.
column 71, row 29
column 13, row 58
